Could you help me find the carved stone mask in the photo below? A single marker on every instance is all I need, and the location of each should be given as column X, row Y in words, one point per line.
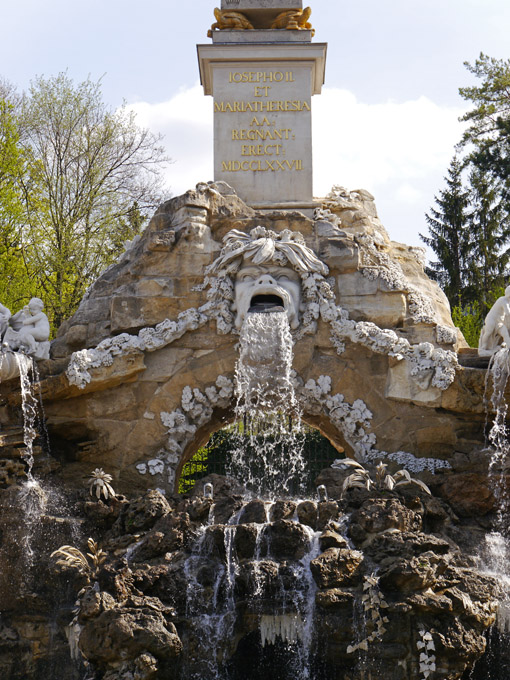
column 267, row 283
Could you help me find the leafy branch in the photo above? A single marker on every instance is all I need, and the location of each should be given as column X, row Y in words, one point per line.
column 69, row 557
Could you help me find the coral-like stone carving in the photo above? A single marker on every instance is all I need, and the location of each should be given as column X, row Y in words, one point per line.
column 29, row 330
column 261, row 250
column 228, row 20
column 314, row 397
column 294, row 19
column 496, row 327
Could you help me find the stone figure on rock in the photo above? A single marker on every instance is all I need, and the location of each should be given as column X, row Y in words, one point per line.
column 496, row 328
column 29, row 331
column 5, row 315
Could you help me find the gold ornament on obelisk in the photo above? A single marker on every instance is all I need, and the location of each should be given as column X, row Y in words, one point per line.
column 294, row 19
column 228, row 20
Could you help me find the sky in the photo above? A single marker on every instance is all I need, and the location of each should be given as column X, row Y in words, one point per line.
column 387, row 119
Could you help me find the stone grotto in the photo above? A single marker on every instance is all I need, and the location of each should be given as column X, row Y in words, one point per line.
column 220, row 584
column 133, row 546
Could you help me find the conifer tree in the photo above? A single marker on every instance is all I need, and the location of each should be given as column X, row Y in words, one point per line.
column 448, row 236
column 489, row 233
column 488, row 135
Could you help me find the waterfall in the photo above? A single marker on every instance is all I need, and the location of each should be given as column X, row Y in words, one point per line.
column 268, row 456
column 32, row 497
column 225, row 586
column 497, row 549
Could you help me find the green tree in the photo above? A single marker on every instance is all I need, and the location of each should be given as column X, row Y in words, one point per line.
column 489, row 234
column 448, row 236
column 14, row 282
column 93, row 176
column 488, row 134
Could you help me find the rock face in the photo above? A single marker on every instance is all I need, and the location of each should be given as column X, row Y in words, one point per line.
column 177, row 598
column 142, row 374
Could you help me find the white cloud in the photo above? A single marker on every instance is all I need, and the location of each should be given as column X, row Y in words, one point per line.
column 371, row 145
column 407, row 193
column 186, row 121
column 399, row 151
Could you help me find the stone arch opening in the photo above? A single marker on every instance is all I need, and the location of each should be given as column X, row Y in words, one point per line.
column 210, row 449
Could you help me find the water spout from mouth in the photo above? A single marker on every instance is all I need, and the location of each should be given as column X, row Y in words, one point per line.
column 265, row 304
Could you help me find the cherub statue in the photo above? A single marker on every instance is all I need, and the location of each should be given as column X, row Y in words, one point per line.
column 294, row 19
column 495, row 332
column 29, row 330
column 5, row 315
column 226, row 19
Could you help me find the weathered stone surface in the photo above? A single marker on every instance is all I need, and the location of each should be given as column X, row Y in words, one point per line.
column 334, row 598
column 307, row 513
column 330, row 539
column 380, row 514
column 418, row 573
column 387, row 311
column 469, row 494
column 327, row 511
column 285, row 540
column 145, row 511
column 337, row 567
column 406, row 544
column 282, row 510
column 254, row 511
column 118, row 634
column 246, row 536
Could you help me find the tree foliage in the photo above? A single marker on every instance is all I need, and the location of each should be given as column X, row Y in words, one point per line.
column 488, row 132
column 13, row 279
column 92, row 169
column 77, row 180
column 448, row 235
column 488, row 229
column 469, row 230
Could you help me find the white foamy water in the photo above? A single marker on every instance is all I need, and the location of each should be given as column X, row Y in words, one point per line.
column 496, row 551
column 268, row 456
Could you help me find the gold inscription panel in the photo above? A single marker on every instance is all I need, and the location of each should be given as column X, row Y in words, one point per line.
column 261, row 143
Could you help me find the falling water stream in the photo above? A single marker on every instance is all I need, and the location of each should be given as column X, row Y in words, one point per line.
column 496, row 552
column 269, row 453
column 269, row 460
column 32, row 497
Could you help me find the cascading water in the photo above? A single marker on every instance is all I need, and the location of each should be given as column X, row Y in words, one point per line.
column 497, row 549
column 269, row 454
column 32, row 497
column 243, row 570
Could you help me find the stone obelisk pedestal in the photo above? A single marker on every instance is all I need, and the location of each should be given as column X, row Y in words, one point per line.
column 262, row 81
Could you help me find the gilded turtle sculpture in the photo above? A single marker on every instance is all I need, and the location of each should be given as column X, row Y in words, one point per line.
column 294, row 19
column 228, row 20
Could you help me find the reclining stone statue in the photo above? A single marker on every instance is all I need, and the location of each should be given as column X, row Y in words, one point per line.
column 5, row 315
column 496, row 328
column 29, row 331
